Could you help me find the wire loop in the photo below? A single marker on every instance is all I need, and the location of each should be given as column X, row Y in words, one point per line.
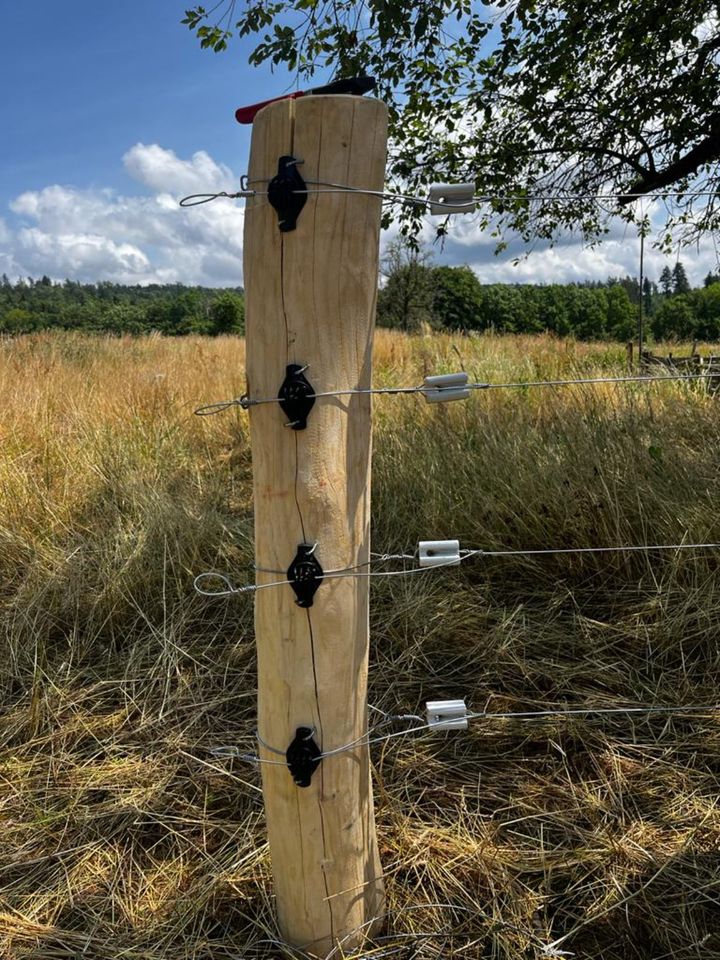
column 197, row 199
column 210, row 409
column 219, row 593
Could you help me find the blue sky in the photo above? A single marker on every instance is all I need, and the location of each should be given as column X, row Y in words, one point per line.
column 112, row 111
column 83, row 82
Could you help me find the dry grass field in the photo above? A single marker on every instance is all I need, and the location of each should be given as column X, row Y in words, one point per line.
column 123, row 836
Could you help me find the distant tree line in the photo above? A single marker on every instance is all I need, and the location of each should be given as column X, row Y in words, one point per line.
column 678, row 312
column 172, row 309
column 415, row 292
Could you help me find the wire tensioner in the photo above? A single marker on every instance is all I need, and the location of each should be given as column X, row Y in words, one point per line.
column 451, row 198
column 439, row 553
column 445, row 386
column 447, row 714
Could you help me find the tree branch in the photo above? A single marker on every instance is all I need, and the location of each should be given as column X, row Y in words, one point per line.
column 704, row 152
column 595, row 151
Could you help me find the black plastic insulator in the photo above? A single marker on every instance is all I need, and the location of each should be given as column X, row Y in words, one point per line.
column 297, row 396
column 303, row 757
column 305, row 575
column 283, row 193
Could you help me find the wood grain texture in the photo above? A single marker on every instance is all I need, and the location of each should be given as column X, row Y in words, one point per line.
column 310, row 298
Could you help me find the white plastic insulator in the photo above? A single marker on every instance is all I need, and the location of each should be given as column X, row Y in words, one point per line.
column 452, row 198
column 439, row 553
column 446, row 386
column 447, row 714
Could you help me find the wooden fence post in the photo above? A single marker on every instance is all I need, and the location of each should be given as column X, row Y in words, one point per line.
column 310, row 299
column 629, row 351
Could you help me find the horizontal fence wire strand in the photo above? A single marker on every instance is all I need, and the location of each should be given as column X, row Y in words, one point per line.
column 367, row 739
column 452, row 205
column 246, row 401
column 350, row 572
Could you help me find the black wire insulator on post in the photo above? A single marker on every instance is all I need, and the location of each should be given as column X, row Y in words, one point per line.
column 303, row 757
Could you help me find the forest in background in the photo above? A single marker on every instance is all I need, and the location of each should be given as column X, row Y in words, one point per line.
column 28, row 306
column 414, row 295
column 416, row 292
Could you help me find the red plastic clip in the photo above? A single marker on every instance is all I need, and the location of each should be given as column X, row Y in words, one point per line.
column 354, row 85
column 247, row 114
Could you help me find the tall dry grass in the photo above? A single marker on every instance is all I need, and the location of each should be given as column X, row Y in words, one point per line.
column 122, row 836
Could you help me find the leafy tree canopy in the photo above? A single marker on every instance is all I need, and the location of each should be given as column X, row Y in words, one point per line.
column 528, row 98
column 405, row 299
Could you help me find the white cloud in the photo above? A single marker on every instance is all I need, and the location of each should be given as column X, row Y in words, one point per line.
column 99, row 234
column 163, row 172
column 569, row 261
column 76, row 252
